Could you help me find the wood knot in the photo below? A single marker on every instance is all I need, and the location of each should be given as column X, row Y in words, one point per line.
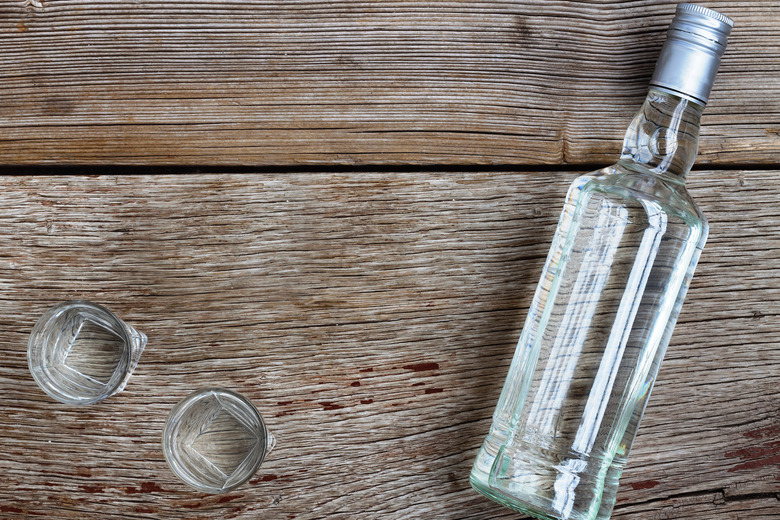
column 33, row 5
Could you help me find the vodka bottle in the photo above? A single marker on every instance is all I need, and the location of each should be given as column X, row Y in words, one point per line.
column 621, row 260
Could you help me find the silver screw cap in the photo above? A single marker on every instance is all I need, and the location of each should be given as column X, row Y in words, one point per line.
column 690, row 57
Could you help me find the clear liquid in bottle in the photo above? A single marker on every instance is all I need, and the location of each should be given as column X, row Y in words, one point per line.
column 602, row 315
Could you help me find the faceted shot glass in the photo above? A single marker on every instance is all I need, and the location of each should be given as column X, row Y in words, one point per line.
column 214, row 440
column 80, row 352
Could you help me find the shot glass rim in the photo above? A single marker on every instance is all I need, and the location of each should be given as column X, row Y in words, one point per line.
column 180, row 409
column 47, row 384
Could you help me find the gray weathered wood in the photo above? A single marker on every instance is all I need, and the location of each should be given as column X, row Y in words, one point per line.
column 353, row 82
column 371, row 318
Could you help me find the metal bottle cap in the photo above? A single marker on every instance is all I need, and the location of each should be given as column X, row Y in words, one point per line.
column 691, row 55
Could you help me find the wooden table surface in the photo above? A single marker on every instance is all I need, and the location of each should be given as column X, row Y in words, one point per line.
column 341, row 210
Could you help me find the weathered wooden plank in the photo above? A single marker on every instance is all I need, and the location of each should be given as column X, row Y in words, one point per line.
column 352, row 82
column 371, row 318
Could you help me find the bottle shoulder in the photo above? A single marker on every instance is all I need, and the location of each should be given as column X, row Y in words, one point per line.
column 649, row 191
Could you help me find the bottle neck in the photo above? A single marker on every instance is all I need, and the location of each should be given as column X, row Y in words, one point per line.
column 663, row 138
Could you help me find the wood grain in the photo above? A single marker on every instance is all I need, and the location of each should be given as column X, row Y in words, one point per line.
column 269, row 82
column 371, row 318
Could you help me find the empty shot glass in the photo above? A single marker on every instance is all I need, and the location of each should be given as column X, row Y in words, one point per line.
column 214, row 440
column 80, row 352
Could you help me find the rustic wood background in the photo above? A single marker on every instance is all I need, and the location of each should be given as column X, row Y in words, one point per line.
column 366, row 284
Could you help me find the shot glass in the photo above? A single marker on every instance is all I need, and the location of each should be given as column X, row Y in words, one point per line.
column 80, row 352
column 215, row 439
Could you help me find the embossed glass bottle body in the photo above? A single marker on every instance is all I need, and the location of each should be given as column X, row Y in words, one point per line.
column 618, row 270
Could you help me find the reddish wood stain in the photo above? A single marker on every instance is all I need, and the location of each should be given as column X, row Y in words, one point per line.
column 422, row 367
column 285, row 403
column 150, row 487
column 355, row 383
column 645, row 484
column 756, row 464
column 228, row 498
column 433, row 390
column 10, row 509
column 366, row 401
column 268, row 478
column 330, row 405
column 143, row 510
column 764, row 455
column 234, row 512
column 760, row 433
column 92, row 489
column 366, row 370
column 755, row 451
column 418, row 384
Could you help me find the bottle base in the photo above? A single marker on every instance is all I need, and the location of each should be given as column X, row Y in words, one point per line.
column 505, row 501
column 543, row 483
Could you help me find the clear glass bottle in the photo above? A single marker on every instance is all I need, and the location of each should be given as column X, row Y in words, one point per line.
column 626, row 246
